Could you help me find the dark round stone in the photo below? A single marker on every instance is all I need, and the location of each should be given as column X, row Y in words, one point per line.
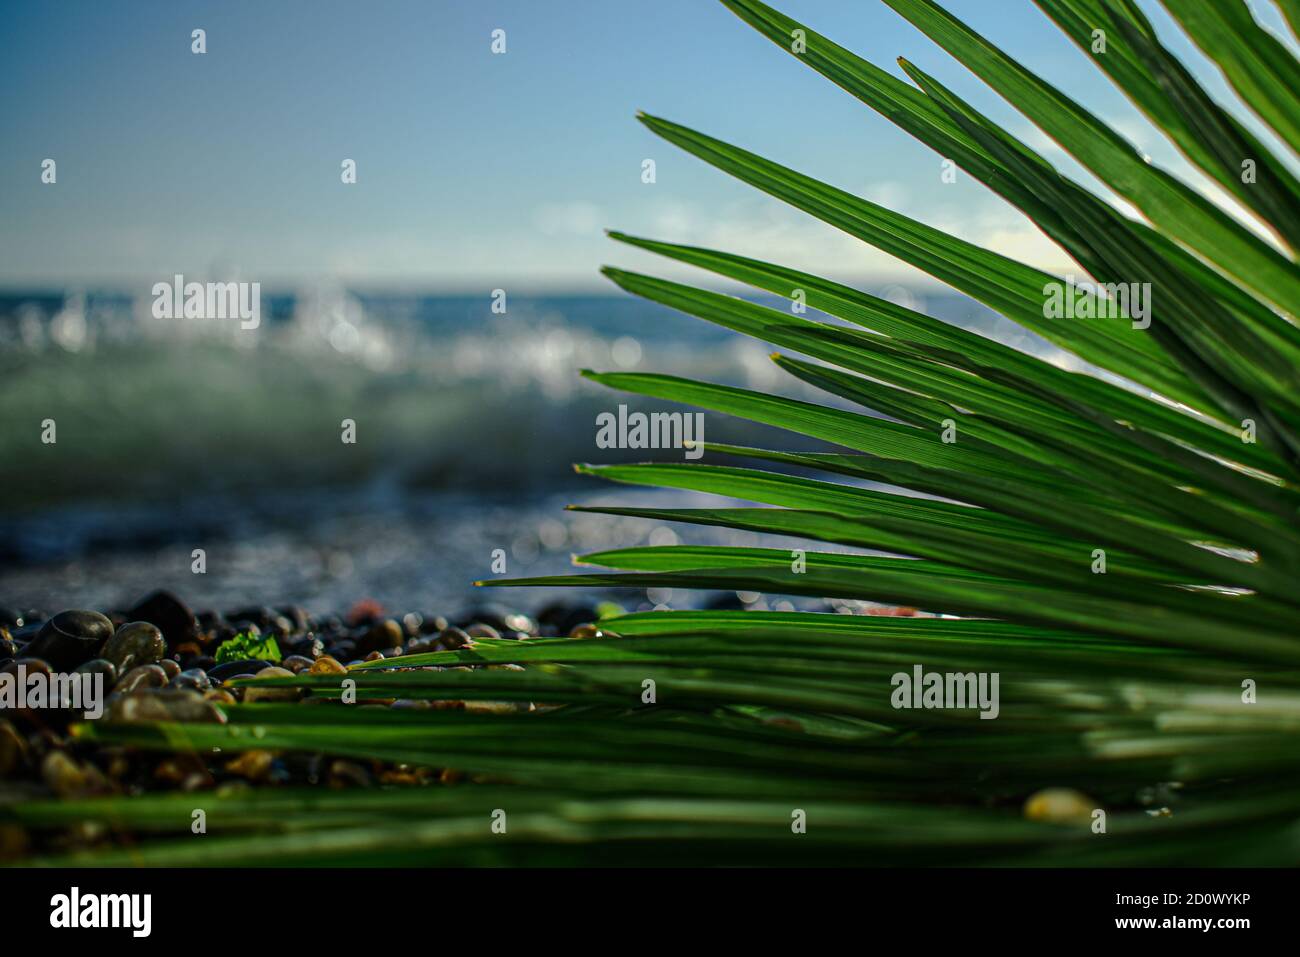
column 143, row 676
column 29, row 666
column 562, row 616
column 453, row 639
column 380, row 637
column 490, row 614
column 433, row 624
column 228, row 669
column 100, row 666
column 192, row 679
column 172, row 616
column 309, row 647
column 135, row 643
column 70, row 638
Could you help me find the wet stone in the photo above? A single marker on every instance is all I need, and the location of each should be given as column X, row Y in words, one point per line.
column 254, row 693
column 344, row 774
column 309, row 647
column 135, row 643
column 253, row 765
column 69, row 778
column 385, row 634
column 145, row 676
column 1059, row 806
column 560, row 618
column 433, row 624
column 172, row 616
column 420, row 646
column 29, row 666
column 100, row 666
column 192, row 679
column 228, row 669
column 70, row 638
column 166, row 705
column 521, row 623
column 326, row 665
column 453, row 639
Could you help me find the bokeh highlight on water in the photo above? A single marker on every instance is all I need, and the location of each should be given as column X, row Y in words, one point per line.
column 181, row 434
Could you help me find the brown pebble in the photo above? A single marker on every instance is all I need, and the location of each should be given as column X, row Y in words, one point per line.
column 254, row 693
column 478, row 630
column 30, row 666
column 385, row 634
column 144, row 676
column 348, row 774
column 1059, row 806
column 68, row 778
column 296, row 663
column 197, row 781
column 491, row 707
column 133, row 644
column 253, row 765
column 327, row 665
column 170, row 705
column 169, row 771
column 453, row 639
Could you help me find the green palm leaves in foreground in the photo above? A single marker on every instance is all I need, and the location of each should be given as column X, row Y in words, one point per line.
column 1127, row 685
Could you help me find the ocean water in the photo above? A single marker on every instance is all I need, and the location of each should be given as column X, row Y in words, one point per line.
column 173, row 435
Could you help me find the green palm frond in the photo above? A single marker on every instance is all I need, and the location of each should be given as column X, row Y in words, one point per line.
column 1182, row 466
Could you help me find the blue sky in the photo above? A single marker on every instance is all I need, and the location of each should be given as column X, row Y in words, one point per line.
column 474, row 170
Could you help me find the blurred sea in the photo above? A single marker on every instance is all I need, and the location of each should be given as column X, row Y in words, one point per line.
column 180, row 434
